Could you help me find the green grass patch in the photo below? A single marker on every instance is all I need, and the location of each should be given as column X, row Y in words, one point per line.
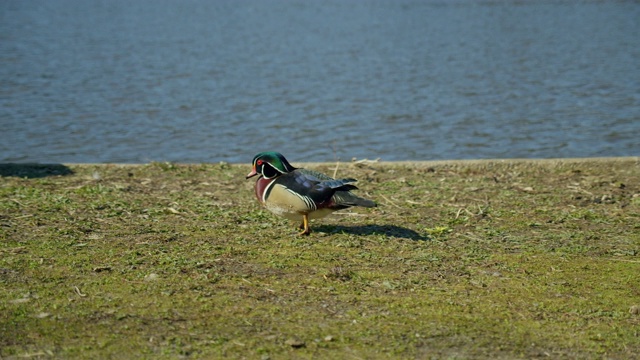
column 513, row 259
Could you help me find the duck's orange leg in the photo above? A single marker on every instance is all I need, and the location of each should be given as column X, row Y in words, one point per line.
column 305, row 225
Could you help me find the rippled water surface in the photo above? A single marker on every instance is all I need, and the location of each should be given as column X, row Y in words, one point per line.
column 207, row 81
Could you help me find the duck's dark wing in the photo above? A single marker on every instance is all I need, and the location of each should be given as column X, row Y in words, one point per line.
column 322, row 188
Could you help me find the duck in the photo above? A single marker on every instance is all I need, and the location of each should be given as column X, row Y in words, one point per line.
column 300, row 194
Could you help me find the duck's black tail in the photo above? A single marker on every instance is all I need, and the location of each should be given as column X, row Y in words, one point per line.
column 344, row 197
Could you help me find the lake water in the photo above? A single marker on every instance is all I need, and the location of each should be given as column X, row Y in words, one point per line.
column 206, row 81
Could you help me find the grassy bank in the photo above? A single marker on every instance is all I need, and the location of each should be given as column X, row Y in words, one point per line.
column 505, row 259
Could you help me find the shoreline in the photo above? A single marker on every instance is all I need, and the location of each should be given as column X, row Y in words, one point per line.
column 615, row 159
column 488, row 161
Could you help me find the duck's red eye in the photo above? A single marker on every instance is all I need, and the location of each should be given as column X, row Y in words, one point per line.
column 259, row 162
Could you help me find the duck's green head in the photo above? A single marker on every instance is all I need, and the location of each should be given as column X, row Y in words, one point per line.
column 270, row 164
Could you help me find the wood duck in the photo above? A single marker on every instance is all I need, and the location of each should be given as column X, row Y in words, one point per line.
column 300, row 194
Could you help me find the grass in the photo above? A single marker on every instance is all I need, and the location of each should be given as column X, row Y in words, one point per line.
column 492, row 259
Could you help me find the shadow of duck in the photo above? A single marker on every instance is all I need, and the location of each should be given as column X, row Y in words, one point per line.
column 365, row 230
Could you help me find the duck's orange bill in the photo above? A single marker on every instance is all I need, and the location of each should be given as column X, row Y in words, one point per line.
column 252, row 173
